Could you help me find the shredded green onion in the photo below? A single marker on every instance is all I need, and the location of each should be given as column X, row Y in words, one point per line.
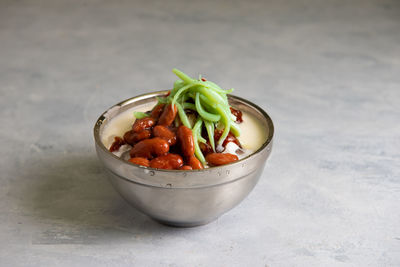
column 161, row 100
column 182, row 116
column 209, row 101
column 140, row 115
column 196, row 132
column 189, row 106
column 210, row 131
column 204, row 114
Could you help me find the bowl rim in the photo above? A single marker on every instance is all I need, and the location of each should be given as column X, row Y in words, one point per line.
column 102, row 117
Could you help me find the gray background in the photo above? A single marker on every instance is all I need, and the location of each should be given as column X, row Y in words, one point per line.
column 328, row 72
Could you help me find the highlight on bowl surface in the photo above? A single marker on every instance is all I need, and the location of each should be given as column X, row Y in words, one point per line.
column 191, row 127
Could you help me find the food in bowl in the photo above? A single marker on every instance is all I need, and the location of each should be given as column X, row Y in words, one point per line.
column 183, row 198
column 191, row 127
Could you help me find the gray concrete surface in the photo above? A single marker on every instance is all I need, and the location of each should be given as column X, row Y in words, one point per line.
column 328, row 72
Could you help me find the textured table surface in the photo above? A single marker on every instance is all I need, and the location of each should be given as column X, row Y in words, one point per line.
column 328, row 72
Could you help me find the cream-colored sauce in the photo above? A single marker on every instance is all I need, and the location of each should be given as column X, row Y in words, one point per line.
column 121, row 123
column 253, row 134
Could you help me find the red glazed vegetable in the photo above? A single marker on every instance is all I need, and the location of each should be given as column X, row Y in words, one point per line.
column 186, row 168
column 185, row 137
column 168, row 115
column 142, row 124
column 118, row 142
column 140, row 161
column 195, row 163
column 157, row 110
column 217, row 159
column 150, row 148
column 168, row 162
column 165, row 133
column 132, row 138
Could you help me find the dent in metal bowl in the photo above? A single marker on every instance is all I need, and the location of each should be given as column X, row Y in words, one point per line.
column 184, row 198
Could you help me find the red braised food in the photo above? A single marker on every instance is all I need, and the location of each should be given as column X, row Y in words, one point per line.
column 171, row 135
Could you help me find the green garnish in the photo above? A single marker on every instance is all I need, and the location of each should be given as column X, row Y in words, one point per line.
column 211, row 104
column 140, row 115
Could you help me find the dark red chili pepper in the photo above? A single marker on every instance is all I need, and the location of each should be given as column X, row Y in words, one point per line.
column 238, row 114
column 118, row 142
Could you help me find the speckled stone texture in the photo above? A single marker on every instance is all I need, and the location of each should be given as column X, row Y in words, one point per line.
column 328, row 72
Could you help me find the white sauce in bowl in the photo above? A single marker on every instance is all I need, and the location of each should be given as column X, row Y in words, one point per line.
column 253, row 134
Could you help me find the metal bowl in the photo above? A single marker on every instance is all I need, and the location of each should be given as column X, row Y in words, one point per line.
column 184, row 198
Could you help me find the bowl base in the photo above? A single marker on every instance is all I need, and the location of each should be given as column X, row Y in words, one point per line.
column 184, row 224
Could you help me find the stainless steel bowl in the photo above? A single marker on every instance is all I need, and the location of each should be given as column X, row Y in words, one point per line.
column 184, row 198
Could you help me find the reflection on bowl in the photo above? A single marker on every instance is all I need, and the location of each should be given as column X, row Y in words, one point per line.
column 184, row 198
